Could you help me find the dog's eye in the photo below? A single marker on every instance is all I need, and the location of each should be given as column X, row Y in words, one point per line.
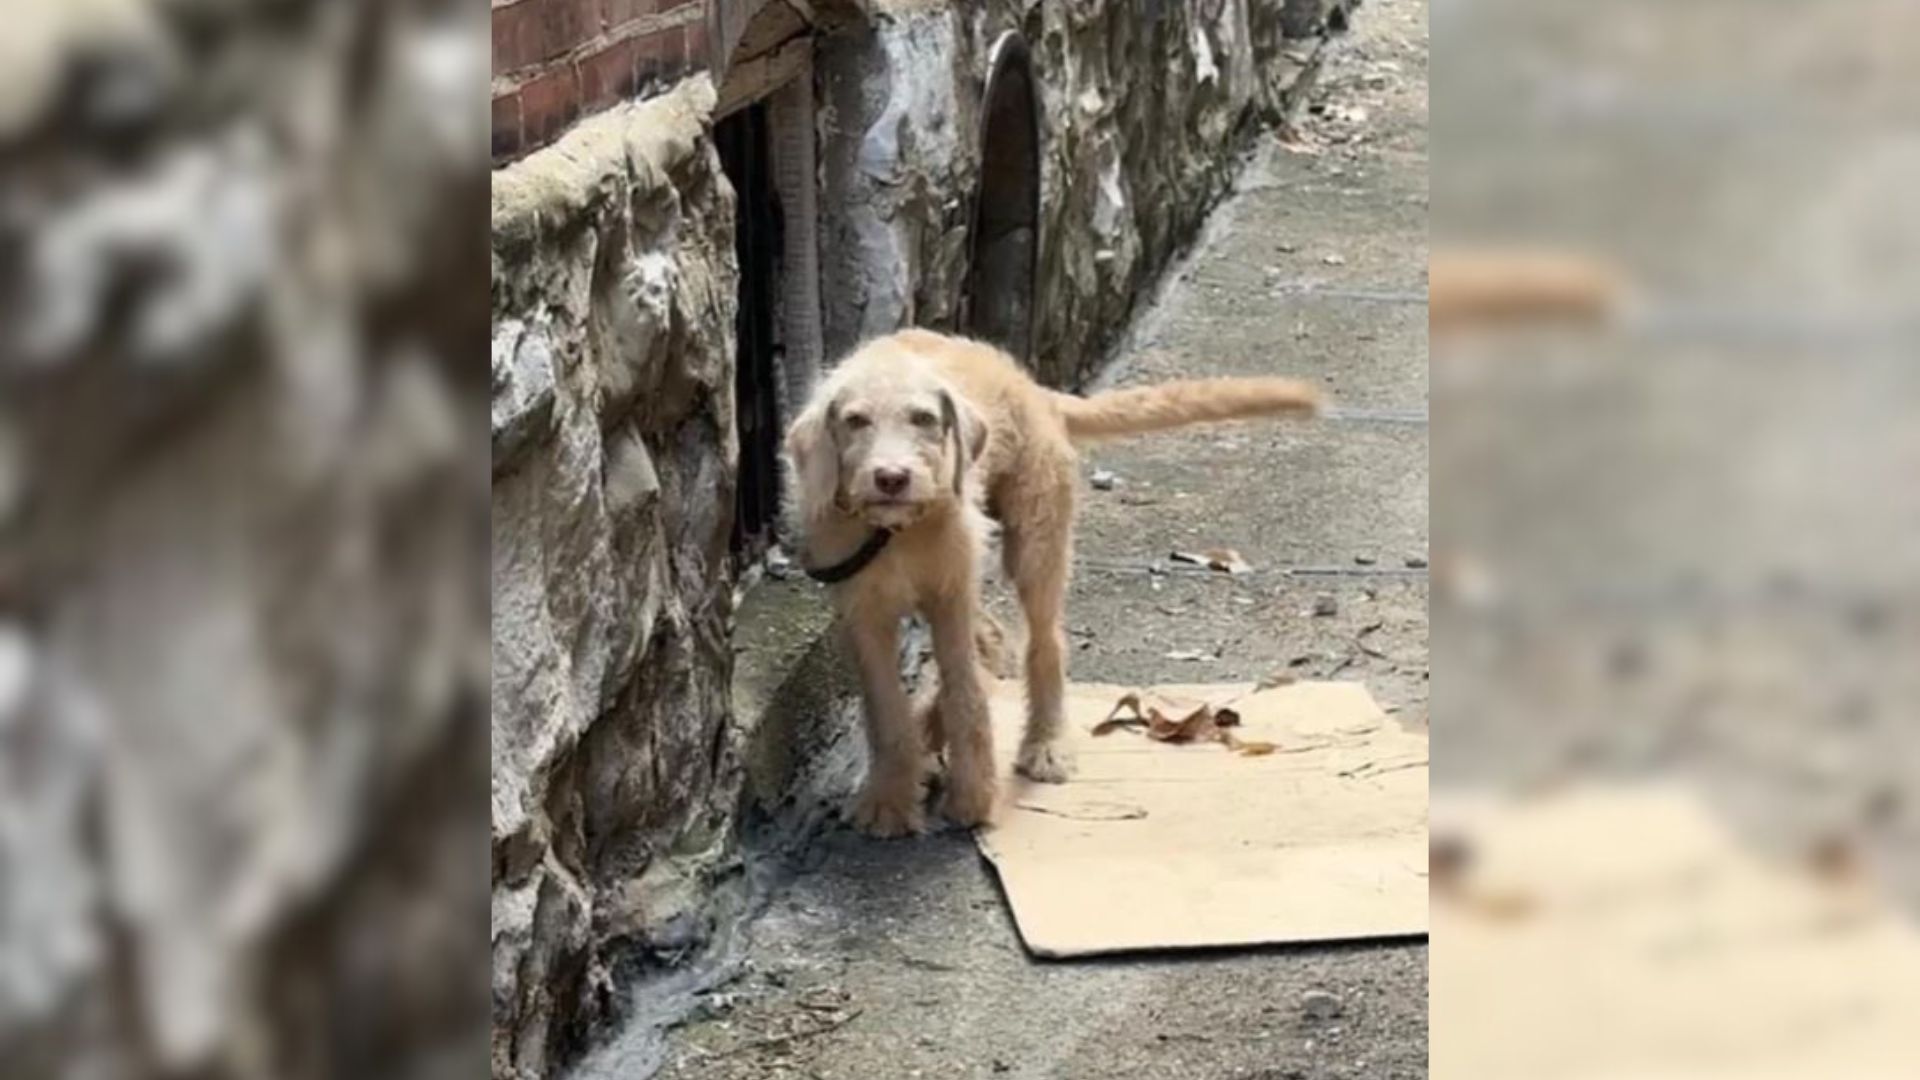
column 855, row 421
column 924, row 418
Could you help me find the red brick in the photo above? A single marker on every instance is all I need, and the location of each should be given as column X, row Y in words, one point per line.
column 608, row 75
column 548, row 103
column 517, row 36
column 566, row 24
column 508, row 137
column 536, row 31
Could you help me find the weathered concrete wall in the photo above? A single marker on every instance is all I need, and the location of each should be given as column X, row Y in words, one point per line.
column 242, row 647
column 1144, row 107
column 614, row 765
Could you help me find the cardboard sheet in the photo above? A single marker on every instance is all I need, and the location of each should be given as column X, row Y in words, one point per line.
column 1162, row 846
column 1622, row 934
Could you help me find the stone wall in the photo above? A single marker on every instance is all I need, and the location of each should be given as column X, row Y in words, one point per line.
column 614, row 764
column 242, row 608
column 1145, row 107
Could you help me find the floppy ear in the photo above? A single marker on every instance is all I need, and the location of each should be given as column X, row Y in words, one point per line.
column 968, row 431
column 813, row 465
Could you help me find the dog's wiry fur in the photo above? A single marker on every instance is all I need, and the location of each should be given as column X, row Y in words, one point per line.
column 937, row 438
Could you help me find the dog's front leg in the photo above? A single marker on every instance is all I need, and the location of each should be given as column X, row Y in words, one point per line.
column 965, row 725
column 889, row 804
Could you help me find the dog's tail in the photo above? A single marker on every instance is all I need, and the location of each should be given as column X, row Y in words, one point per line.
column 1177, row 404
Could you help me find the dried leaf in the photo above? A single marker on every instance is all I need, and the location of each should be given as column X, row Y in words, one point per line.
column 1180, row 720
column 1114, row 719
column 1196, row 724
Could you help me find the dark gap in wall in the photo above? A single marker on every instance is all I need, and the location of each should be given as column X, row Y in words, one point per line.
column 1005, row 238
column 758, row 243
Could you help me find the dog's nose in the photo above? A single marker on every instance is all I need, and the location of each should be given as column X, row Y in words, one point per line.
column 890, row 481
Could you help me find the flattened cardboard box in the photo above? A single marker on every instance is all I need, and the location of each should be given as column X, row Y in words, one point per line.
column 1165, row 846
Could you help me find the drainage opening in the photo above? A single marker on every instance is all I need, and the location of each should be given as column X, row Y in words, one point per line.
column 758, row 228
column 1006, row 211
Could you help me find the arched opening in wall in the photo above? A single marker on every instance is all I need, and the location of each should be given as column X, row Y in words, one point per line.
column 763, row 131
column 1005, row 239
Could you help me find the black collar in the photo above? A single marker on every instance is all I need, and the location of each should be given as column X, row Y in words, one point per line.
column 854, row 563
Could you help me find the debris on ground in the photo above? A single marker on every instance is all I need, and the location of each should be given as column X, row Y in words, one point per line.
column 1225, row 560
column 1193, row 655
column 1325, row 605
column 1360, row 640
column 1321, row 1005
column 1102, row 480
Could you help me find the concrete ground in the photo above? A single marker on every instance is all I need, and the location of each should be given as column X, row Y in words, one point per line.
column 898, row 959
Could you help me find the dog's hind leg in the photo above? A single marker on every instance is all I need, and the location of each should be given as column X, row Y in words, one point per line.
column 991, row 638
column 1037, row 552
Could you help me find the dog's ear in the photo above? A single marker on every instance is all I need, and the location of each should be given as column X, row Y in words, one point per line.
column 813, row 463
column 968, row 430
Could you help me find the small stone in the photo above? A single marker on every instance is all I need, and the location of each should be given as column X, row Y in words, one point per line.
column 1320, row 1005
column 1102, row 480
column 1001, row 1066
column 1364, row 560
column 1334, row 260
column 1416, row 562
column 1325, row 605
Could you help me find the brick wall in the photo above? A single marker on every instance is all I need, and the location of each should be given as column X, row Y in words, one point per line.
column 555, row 61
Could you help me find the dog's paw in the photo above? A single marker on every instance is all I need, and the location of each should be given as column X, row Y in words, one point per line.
column 969, row 803
column 1046, row 762
column 883, row 813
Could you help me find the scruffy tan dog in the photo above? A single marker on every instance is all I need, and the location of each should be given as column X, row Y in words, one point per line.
column 896, row 464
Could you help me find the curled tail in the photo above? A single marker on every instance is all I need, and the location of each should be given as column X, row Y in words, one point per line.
column 1177, row 404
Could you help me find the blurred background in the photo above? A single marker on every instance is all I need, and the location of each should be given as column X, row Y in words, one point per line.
column 1677, row 552
column 243, row 649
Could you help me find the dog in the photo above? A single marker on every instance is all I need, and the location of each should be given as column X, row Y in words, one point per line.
column 900, row 466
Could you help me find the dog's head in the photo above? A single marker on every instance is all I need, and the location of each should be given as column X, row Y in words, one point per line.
column 885, row 444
